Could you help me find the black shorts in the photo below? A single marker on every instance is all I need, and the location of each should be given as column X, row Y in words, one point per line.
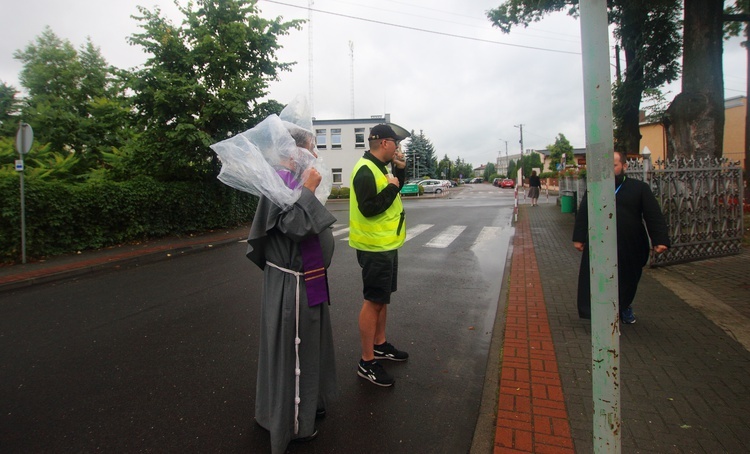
column 379, row 274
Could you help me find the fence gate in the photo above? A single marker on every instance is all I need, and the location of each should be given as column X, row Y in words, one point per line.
column 702, row 202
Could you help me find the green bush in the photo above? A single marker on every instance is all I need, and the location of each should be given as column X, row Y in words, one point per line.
column 63, row 217
column 344, row 192
column 335, row 191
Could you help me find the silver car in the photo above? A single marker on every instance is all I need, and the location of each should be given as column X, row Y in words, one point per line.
column 432, row 186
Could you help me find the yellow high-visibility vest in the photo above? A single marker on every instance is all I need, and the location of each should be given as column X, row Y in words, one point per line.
column 383, row 232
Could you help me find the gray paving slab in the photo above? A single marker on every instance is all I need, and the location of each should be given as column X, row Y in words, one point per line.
column 684, row 378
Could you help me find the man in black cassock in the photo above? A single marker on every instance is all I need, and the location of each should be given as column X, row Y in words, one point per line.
column 636, row 206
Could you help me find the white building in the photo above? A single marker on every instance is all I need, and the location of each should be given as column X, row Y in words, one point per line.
column 342, row 142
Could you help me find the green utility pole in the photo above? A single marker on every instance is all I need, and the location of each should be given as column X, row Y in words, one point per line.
column 605, row 328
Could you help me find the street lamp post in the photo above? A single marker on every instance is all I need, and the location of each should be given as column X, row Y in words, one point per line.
column 507, row 162
column 520, row 126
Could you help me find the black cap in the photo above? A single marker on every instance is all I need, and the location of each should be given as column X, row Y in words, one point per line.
column 386, row 131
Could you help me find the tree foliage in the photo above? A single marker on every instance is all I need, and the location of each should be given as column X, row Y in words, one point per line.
column 649, row 33
column 512, row 169
column 74, row 103
column 489, row 170
column 530, row 161
column 420, row 155
column 445, row 166
column 557, row 150
column 9, row 108
column 201, row 83
column 462, row 169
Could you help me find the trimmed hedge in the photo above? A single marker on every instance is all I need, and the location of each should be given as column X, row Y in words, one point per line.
column 63, row 218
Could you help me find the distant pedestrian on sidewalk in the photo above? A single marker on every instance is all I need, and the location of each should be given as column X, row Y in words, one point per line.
column 377, row 229
column 535, row 185
column 636, row 205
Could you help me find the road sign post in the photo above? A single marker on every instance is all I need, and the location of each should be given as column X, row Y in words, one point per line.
column 605, row 342
column 24, row 138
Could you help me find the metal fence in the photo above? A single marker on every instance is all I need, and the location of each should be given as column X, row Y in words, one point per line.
column 701, row 200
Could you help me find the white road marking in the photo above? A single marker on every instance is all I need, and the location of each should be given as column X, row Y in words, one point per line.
column 411, row 232
column 341, row 232
column 446, row 237
column 487, row 233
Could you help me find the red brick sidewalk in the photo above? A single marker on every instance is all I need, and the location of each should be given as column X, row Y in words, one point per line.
column 531, row 414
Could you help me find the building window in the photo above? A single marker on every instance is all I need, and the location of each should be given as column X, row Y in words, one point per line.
column 336, row 139
column 320, row 138
column 336, row 176
column 359, row 137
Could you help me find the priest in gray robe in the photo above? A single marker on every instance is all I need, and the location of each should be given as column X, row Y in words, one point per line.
column 292, row 242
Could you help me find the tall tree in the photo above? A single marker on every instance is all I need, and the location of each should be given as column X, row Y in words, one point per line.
column 9, row 110
column 445, row 166
column 51, row 74
column 648, row 31
column 695, row 124
column 649, row 34
column 202, row 82
column 489, row 170
column 557, row 150
column 73, row 102
column 530, row 161
column 420, row 153
column 512, row 169
column 737, row 18
column 462, row 169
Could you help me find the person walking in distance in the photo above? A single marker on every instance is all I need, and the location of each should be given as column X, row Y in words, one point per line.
column 535, row 185
column 638, row 218
column 377, row 229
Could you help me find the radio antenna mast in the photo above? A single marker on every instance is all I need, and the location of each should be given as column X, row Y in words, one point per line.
column 310, row 53
column 351, row 56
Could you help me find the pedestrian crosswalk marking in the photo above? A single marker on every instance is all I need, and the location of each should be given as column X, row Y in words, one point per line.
column 446, row 237
column 411, row 232
column 487, row 233
column 441, row 240
column 341, row 232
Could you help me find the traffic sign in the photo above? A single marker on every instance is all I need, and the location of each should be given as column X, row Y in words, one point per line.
column 24, row 138
column 19, row 165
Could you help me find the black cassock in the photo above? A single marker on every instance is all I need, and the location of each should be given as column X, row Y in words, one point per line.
column 636, row 206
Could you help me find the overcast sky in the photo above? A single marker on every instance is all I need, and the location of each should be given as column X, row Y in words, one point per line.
column 442, row 68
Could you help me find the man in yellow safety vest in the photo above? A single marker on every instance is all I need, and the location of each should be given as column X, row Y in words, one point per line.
column 377, row 229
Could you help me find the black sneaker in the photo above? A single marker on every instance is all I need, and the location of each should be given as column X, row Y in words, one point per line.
column 373, row 371
column 627, row 317
column 388, row 351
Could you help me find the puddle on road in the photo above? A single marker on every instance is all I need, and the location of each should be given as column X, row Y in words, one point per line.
column 491, row 251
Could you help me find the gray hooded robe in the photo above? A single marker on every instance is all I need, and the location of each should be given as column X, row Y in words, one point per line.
column 274, row 237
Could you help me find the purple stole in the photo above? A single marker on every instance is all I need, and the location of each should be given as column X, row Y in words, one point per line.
column 316, row 278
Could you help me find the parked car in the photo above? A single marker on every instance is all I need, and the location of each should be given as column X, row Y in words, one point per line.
column 477, row 180
column 432, row 186
column 507, row 183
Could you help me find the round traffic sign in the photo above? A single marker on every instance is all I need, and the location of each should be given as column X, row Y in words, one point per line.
column 24, row 138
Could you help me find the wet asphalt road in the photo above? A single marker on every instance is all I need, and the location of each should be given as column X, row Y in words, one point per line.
column 162, row 357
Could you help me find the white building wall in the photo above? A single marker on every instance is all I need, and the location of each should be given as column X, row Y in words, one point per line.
column 341, row 160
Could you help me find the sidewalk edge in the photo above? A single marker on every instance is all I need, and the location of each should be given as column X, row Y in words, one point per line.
column 483, row 441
